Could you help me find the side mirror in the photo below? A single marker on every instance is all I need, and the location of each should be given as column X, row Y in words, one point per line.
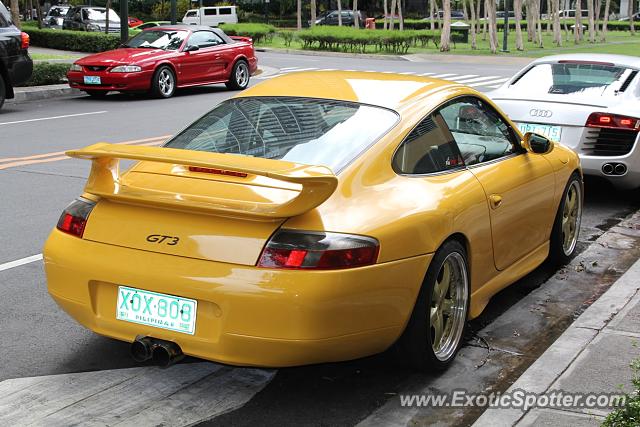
column 537, row 144
column 191, row 48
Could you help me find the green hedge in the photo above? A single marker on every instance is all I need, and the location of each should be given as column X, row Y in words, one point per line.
column 78, row 41
column 45, row 73
column 349, row 39
column 258, row 32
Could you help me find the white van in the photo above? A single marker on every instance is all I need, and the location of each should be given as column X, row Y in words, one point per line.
column 211, row 16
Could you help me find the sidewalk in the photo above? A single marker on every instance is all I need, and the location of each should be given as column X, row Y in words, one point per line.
column 591, row 356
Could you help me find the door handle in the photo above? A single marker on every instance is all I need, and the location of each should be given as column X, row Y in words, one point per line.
column 495, row 200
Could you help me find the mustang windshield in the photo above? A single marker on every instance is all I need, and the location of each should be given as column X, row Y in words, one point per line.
column 158, row 39
column 302, row 130
column 575, row 78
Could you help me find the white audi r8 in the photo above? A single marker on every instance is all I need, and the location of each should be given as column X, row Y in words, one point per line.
column 588, row 102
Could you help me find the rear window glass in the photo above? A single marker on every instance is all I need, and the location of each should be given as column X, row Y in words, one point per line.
column 589, row 79
column 302, row 130
column 225, row 11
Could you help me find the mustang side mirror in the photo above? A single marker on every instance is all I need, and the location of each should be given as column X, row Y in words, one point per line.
column 191, row 48
column 535, row 143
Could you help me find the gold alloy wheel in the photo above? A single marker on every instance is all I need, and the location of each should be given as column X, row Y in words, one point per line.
column 448, row 309
column 571, row 215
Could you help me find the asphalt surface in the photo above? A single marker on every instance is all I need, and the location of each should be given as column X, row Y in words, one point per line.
column 39, row 339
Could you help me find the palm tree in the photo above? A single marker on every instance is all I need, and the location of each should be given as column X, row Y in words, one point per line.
column 432, row 7
column 517, row 11
column 106, row 17
column 531, row 28
column 605, row 21
column 356, row 23
column 400, row 20
column 490, row 6
column 592, row 24
column 474, row 43
column 539, row 21
column 299, row 14
column 557, row 35
column 577, row 29
column 632, row 27
column 393, row 12
column 15, row 12
column 313, row 12
column 445, row 33
column 386, row 11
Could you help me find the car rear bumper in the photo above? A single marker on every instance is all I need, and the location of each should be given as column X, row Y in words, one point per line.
column 112, row 81
column 245, row 315
column 20, row 68
column 593, row 165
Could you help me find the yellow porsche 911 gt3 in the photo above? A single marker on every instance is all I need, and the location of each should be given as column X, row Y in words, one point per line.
column 315, row 217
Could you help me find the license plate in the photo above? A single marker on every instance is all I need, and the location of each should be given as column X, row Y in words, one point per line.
column 92, row 80
column 159, row 310
column 551, row 132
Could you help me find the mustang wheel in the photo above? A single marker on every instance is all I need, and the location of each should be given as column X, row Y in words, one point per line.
column 3, row 91
column 566, row 227
column 239, row 78
column 163, row 84
column 436, row 327
column 97, row 93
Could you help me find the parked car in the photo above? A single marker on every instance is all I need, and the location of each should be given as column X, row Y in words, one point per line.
column 256, row 236
column 455, row 14
column 636, row 17
column 139, row 28
column 331, row 18
column 589, row 102
column 162, row 59
column 90, row 18
column 134, row 22
column 15, row 63
column 55, row 17
column 211, row 16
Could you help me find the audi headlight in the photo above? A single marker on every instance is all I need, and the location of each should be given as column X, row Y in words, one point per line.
column 75, row 67
column 126, row 69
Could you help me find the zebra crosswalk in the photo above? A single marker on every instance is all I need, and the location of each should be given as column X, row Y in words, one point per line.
column 472, row 80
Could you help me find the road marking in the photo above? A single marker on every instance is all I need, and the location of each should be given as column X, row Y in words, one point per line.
column 490, row 82
column 296, row 70
column 426, row 74
column 495, row 87
column 406, row 73
column 477, row 79
column 289, row 68
column 181, row 395
column 52, row 118
column 466, row 76
column 19, row 262
column 442, row 76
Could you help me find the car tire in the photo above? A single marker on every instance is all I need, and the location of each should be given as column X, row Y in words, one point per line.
column 239, row 78
column 3, row 91
column 415, row 348
column 163, row 84
column 566, row 227
column 97, row 93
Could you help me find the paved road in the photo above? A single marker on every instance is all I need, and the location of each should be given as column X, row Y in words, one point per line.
column 37, row 181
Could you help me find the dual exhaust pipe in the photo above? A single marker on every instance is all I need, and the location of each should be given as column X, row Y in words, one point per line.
column 614, row 169
column 163, row 353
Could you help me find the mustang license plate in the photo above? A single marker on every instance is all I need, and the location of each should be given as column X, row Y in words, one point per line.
column 551, row 132
column 92, row 80
column 159, row 310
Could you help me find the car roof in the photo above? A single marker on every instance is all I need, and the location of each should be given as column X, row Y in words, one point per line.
column 623, row 60
column 393, row 91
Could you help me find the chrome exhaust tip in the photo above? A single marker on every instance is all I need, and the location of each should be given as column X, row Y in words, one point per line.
column 166, row 353
column 607, row 168
column 620, row 169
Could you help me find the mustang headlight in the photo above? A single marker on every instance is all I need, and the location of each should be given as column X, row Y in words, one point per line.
column 126, row 69
column 75, row 67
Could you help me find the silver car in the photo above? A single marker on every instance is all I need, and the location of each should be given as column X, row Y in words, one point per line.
column 588, row 102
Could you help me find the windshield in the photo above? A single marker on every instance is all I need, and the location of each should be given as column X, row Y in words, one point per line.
column 101, row 15
column 158, row 39
column 301, row 130
column 585, row 79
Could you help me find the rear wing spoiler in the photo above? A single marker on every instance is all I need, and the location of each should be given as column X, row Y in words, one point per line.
column 242, row 39
column 316, row 183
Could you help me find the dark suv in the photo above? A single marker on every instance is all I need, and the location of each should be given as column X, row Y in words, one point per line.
column 15, row 63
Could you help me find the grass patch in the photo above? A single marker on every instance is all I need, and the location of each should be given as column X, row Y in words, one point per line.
column 47, row 57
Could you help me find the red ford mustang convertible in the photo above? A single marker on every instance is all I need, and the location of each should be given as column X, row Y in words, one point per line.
column 161, row 59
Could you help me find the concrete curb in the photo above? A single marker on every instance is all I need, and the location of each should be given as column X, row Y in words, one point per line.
column 38, row 93
column 540, row 376
column 333, row 54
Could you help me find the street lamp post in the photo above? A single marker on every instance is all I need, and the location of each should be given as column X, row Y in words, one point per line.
column 174, row 8
column 505, row 46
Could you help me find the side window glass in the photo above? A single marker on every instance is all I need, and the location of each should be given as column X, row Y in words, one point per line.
column 481, row 134
column 204, row 39
column 429, row 148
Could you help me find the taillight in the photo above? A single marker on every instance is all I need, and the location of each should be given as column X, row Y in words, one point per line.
column 74, row 217
column 24, row 39
column 311, row 250
column 613, row 121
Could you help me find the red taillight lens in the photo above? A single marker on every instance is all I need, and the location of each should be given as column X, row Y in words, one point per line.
column 613, row 121
column 74, row 217
column 24, row 39
column 217, row 171
column 310, row 250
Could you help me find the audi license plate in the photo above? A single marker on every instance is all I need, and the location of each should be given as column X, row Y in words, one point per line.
column 153, row 309
column 551, row 132
column 92, row 80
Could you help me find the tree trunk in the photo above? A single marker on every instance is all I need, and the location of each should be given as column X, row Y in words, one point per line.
column 39, row 10
column 356, row 21
column 400, row 20
column 537, row 8
column 605, row 21
column 393, row 12
column 314, row 7
column 445, row 33
column 517, row 12
column 530, row 22
column 15, row 12
column 474, row 26
column 106, row 17
column 432, row 18
column 464, row 9
column 485, row 22
column 339, row 13
column 577, row 32
column 557, row 32
column 597, row 16
column 490, row 5
column 632, row 27
column 592, row 24
column 385, row 22
column 549, row 16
